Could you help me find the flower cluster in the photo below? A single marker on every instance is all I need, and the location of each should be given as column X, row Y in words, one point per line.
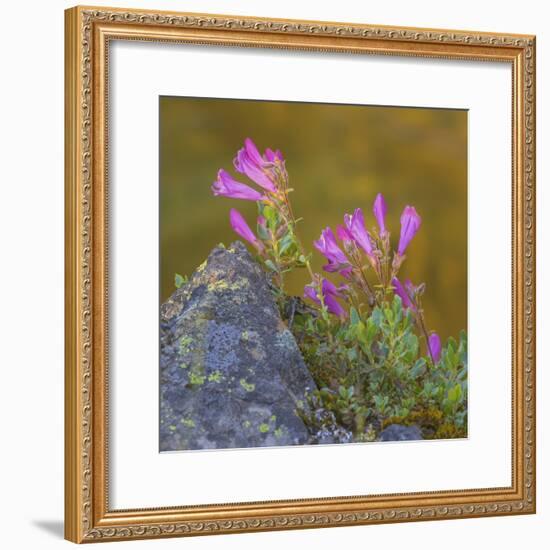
column 361, row 331
column 353, row 252
column 275, row 240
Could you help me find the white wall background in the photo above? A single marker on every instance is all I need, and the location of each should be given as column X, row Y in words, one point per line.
column 31, row 274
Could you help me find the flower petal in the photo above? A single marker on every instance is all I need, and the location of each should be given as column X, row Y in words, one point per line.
column 226, row 186
column 379, row 209
column 410, row 224
column 434, row 343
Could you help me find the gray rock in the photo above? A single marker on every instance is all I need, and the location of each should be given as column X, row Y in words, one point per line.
column 231, row 372
column 398, row 432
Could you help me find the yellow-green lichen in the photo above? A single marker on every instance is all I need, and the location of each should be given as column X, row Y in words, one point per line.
column 224, row 285
column 218, row 285
column 172, row 428
column 264, row 428
column 183, row 365
column 188, row 422
column 196, row 379
column 215, row 376
column 247, row 423
column 246, row 385
column 278, row 432
column 185, row 344
column 201, row 267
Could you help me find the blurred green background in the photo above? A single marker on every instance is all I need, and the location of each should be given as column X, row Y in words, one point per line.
column 338, row 158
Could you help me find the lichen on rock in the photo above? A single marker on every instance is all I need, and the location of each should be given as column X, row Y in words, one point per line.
column 231, row 372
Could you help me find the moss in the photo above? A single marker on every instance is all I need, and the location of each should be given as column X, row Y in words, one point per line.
column 249, row 387
column 449, row 431
column 429, row 420
column 264, row 428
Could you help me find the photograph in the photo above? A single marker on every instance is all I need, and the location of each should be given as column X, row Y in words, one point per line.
column 299, row 272
column 313, row 273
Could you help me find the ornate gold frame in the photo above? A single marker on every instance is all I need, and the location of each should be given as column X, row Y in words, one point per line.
column 88, row 32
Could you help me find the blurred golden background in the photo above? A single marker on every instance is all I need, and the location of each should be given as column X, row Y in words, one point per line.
column 338, row 158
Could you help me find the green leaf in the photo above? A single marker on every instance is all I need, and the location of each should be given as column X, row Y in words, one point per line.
column 263, row 233
column 354, row 316
column 286, row 242
column 451, row 344
column 360, row 331
column 455, row 394
column 270, row 214
column 397, row 309
column 410, row 347
column 377, row 317
column 271, row 265
column 372, row 329
column 418, row 368
column 179, row 280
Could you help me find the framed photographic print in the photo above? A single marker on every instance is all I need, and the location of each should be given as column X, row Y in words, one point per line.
column 300, row 274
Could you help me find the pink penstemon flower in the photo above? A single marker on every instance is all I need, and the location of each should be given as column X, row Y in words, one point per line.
column 355, row 224
column 404, row 293
column 226, row 186
column 345, row 251
column 258, row 168
column 327, row 245
column 239, row 225
column 434, row 345
column 380, row 209
column 328, row 295
column 410, row 224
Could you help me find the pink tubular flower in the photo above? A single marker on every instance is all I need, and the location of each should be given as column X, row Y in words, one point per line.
column 343, row 234
column 434, row 343
column 239, row 225
column 379, row 209
column 402, row 292
column 249, row 162
column 330, row 293
column 329, row 248
column 273, row 156
column 410, row 224
column 226, row 186
column 355, row 225
column 311, row 293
